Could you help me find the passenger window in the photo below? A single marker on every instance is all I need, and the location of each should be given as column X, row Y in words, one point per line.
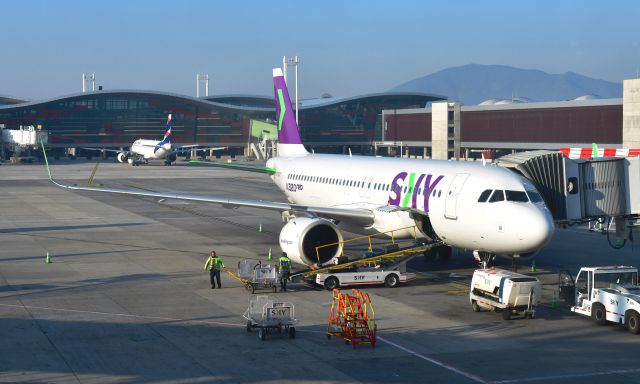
column 498, row 195
column 484, row 196
column 519, row 196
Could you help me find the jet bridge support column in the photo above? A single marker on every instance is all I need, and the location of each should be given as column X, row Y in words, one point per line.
column 631, row 113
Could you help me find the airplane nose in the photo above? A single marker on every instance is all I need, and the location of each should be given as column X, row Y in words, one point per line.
column 535, row 228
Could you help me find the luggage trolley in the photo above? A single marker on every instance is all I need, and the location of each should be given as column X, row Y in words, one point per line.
column 254, row 275
column 266, row 314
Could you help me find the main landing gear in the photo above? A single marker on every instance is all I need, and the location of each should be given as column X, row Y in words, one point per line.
column 441, row 252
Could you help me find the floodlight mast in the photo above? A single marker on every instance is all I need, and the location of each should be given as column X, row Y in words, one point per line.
column 202, row 78
column 86, row 77
column 294, row 61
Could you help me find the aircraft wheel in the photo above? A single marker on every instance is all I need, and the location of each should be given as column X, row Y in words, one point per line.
column 430, row 254
column 444, row 252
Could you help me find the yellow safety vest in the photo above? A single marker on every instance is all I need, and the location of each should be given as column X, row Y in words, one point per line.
column 285, row 263
column 214, row 263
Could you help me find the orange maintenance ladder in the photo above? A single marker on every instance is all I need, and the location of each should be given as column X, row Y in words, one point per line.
column 352, row 318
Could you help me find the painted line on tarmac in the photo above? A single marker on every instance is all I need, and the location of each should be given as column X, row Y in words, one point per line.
column 122, row 315
column 436, row 362
column 568, row 376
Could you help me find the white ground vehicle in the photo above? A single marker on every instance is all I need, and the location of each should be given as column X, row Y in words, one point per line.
column 391, row 276
column 605, row 293
column 504, row 291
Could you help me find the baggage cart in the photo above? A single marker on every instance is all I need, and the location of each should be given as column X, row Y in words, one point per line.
column 267, row 314
column 255, row 275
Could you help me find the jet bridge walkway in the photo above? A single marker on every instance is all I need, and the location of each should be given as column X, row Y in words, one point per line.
column 585, row 190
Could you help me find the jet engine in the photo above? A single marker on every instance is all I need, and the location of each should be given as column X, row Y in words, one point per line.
column 171, row 157
column 122, row 157
column 301, row 235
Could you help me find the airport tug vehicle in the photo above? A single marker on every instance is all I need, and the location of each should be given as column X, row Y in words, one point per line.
column 504, row 291
column 607, row 294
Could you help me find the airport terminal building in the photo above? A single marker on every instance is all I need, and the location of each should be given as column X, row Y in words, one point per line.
column 115, row 119
column 448, row 130
column 390, row 123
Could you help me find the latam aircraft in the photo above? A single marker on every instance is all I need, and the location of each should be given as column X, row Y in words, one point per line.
column 488, row 209
column 142, row 151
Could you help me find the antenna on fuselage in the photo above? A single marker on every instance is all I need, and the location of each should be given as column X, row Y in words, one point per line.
column 484, row 161
column 350, row 152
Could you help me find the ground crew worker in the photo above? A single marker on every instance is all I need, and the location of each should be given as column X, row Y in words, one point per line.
column 214, row 265
column 285, row 271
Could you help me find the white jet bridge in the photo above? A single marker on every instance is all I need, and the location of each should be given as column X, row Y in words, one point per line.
column 604, row 190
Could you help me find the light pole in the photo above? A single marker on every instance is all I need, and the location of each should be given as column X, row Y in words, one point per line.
column 293, row 62
column 202, row 78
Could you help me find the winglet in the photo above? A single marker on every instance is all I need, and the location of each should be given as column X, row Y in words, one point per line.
column 46, row 162
column 289, row 142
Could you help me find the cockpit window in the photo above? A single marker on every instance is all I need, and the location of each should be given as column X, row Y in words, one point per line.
column 534, row 196
column 484, row 196
column 498, row 195
column 519, row 196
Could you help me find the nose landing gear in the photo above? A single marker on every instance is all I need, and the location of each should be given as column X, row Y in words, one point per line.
column 484, row 258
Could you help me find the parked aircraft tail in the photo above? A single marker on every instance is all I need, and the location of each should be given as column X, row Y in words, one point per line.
column 167, row 133
column 289, row 142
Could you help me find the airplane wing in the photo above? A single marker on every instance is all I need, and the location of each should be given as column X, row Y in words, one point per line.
column 360, row 216
column 187, row 148
column 238, row 166
column 107, row 150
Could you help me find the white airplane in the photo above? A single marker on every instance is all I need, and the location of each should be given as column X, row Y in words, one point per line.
column 142, row 151
column 487, row 209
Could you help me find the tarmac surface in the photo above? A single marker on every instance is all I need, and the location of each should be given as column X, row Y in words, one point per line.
column 126, row 299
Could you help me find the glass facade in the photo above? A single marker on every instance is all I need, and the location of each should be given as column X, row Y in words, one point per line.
column 117, row 118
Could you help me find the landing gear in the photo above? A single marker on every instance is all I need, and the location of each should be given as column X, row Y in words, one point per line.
column 167, row 162
column 442, row 252
column 484, row 258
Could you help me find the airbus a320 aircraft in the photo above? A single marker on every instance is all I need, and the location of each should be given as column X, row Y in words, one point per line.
column 142, row 151
column 488, row 209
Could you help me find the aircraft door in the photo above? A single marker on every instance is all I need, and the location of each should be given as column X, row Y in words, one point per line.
column 451, row 199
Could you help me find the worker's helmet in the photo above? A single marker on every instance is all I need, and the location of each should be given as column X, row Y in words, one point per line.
column 213, row 253
column 284, row 254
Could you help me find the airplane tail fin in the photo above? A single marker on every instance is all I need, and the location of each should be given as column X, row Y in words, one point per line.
column 289, row 142
column 167, row 133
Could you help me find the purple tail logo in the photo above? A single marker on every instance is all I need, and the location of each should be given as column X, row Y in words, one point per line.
column 287, row 127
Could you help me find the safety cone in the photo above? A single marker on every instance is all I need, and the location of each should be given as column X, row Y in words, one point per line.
column 269, row 255
column 260, row 228
column 47, row 259
column 533, row 266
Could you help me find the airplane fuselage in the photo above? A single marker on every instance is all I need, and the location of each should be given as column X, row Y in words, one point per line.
column 445, row 191
column 150, row 149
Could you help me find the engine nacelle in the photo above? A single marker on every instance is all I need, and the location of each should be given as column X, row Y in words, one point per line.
column 122, row 157
column 301, row 235
column 172, row 157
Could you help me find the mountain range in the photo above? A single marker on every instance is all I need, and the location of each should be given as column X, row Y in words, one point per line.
column 474, row 83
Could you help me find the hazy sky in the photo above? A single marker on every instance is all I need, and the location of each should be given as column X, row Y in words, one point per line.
column 346, row 47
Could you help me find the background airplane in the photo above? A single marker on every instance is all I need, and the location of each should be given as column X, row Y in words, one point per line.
column 484, row 208
column 141, row 151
